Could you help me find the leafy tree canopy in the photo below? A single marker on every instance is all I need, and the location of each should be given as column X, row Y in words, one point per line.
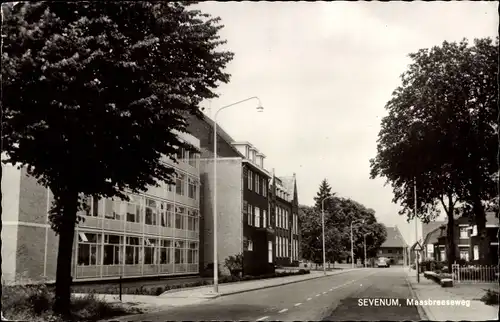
column 94, row 92
column 441, row 131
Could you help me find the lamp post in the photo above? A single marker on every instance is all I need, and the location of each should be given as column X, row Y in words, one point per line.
column 323, row 228
column 216, row 262
column 352, row 242
column 364, row 237
column 416, row 228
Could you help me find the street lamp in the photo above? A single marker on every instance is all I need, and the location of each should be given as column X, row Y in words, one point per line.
column 352, row 242
column 216, row 262
column 323, row 227
column 364, row 237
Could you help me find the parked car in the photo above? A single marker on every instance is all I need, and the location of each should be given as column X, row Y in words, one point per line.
column 383, row 262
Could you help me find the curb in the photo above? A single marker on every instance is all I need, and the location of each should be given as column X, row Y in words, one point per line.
column 210, row 296
column 285, row 283
column 424, row 312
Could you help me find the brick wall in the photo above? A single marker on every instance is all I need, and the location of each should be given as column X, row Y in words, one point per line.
column 229, row 207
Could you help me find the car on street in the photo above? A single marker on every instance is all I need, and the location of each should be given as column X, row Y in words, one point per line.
column 383, row 262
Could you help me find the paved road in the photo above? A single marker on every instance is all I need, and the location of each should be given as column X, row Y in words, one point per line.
column 329, row 298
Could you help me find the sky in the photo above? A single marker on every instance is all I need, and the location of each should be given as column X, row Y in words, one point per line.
column 324, row 72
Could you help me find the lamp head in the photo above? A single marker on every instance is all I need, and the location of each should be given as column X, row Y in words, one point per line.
column 260, row 109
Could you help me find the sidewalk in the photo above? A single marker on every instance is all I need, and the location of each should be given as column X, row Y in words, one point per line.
column 474, row 310
column 240, row 287
column 188, row 296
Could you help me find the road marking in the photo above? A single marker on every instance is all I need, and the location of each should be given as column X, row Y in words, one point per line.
column 262, row 318
column 282, row 311
column 309, row 298
column 324, row 292
column 318, row 294
column 297, row 304
column 331, row 289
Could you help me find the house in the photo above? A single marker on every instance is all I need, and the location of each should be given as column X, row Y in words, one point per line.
column 156, row 233
column 244, row 225
column 426, row 249
column 467, row 241
column 395, row 247
column 283, row 208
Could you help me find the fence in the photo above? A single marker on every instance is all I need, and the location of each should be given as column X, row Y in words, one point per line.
column 474, row 274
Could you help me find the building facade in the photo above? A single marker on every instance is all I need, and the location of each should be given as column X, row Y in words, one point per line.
column 155, row 233
column 242, row 204
column 283, row 205
column 394, row 247
column 467, row 240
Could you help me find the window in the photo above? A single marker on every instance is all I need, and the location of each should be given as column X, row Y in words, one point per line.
column 133, row 251
column 278, row 215
column 286, row 219
column 180, row 181
column 269, row 251
column 257, row 183
column 476, row 252
column 463, row 233
column 166, row 214
column 286, row 247
column 165, row 251
column 192, row 187
column 250, row 215
column 113, row 209
column 276, row 242
column 180, row 214
column 93, row 207
column 179, row 252
column 192, row 253
column 464, row 254
column 474, row 230
column 250, row 245
column 170, row 187
column 113, row 250
column 247, row 152
column 89, row 250
column 193, row 158
column 250, row 180
column 151, row 216
column 443, row 255
column 150, row 247
column 133, row 209
column 264, row 218
column 264, row 187
column 257, row 217
column 192, row 220
column 181, row 153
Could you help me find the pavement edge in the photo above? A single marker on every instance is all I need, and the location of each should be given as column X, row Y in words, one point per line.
column 281, row 284
column 424, row 312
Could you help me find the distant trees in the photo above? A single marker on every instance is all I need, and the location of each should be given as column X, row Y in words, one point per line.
column 442, row 133
column 92, row 94
column 339, row 212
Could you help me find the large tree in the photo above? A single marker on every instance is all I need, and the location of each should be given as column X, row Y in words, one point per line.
column 325, row 191
column 92, row 92
column 441, row 133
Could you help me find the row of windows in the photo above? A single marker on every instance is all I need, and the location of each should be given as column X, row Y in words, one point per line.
column 255, row 216
column 190, row 158
column 282, row 246
column 185, row 186
column 282, row 217
column 259, row 186
column 107, row 249
column 282, row 194
column 145, row 210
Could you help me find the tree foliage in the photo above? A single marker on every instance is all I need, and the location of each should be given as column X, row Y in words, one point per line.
column 339, row 213
column 441, row 132
column 92, row 94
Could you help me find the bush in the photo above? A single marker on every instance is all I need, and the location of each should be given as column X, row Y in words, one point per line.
column 491, row 297
column 34, row 303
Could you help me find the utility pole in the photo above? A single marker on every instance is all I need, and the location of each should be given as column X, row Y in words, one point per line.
column 416, row 229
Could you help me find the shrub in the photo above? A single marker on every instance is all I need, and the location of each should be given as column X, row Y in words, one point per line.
column 491, row 297
column 34, row 303
column 234, row 264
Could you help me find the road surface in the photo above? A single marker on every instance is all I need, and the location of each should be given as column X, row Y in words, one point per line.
column 343, row 297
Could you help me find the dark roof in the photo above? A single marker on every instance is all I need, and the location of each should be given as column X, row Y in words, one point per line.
column 431, row 226
column 394, row 238
column 432, row 237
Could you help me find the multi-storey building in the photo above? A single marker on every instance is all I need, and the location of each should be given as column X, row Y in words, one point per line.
column 284, row 212
column 154, row 233
column 243, row 206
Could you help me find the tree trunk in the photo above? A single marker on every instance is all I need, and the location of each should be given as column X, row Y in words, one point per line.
column 65, row 253
column 480, row 219
column 450, row 241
